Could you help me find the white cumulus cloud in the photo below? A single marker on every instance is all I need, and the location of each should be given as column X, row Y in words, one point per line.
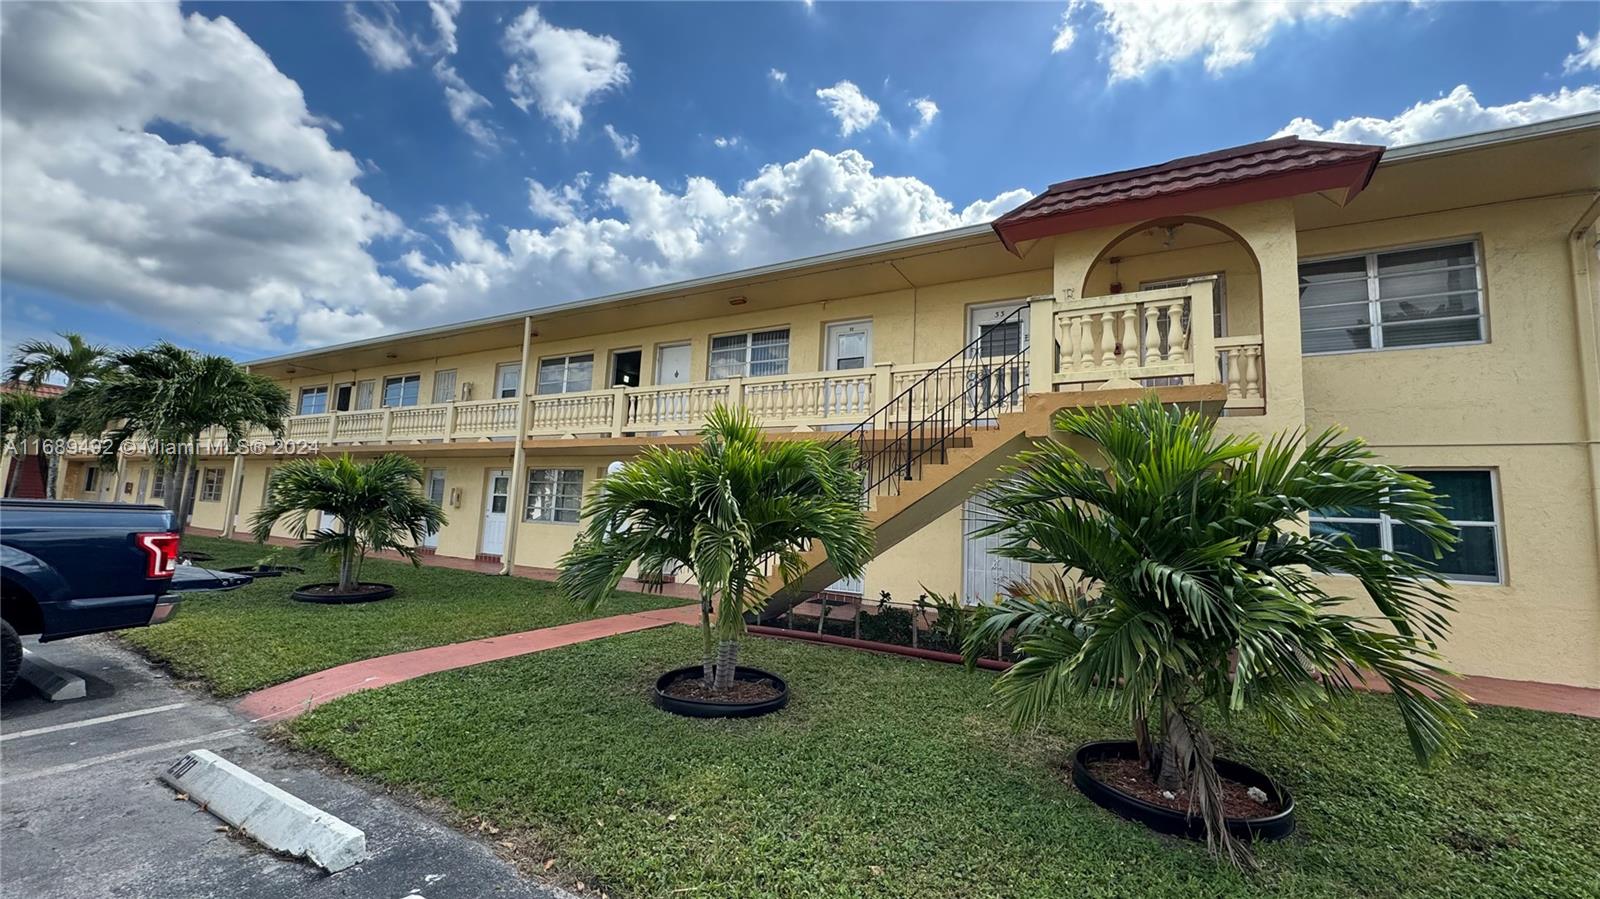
column 1145, row 35
column 627, row 231
column 927, row 111
column 1455, row 113
column 444, row 14
column 854, row 110
column 382, row 39
column 560, row 70
column 263, row 241
column 725, row 143
column 1587, row 55
column 627, row 144
column 778, row 75
column 465, row 104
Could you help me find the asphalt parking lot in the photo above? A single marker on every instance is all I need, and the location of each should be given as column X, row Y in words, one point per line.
column 83, row 813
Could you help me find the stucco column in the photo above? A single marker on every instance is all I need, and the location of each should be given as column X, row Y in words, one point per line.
column 6, row 458
column 519, row 478
column 1041, row 344
column 230, row 502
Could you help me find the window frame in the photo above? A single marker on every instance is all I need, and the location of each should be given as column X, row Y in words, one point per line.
column 1385, row 526
column 517, row 391
column 438, row 380
column 1375, row 304
column 91, row 478
column 566, row 368
column 321, row 390
column 749, row 344
column 555, row 508
column 207, row 487
column 383, row 390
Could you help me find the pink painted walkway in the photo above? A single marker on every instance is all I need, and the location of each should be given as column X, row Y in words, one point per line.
column 296, row 697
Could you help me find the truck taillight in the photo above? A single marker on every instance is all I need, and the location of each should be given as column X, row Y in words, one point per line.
column 161, row 553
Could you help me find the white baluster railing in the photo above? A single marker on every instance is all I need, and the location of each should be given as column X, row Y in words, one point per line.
column 485, row 418
column 1135, row 336
column 1239, row 365
column 418, row 422
column 571, row 413
column 675, row 407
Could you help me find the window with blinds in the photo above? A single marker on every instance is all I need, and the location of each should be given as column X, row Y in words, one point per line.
column 1423, row 296
column 554, row 494
column 751, row 354
column 444, row 385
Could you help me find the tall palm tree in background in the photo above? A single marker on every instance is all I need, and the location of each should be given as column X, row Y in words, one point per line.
column 75, row 362
column 168, row 396
column 378, row 505
column 730, row 510
column 26, row 419
column 1190, row 590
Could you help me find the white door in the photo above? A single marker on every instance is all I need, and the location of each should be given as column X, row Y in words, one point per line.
column 672, row 367
column 997, row 373
column 1003, row 333
column 508, row 380
column 672, row 364
column 985, row 573
column 144, row 481
column 848, row 346
column 436, row 496
column 494, row 513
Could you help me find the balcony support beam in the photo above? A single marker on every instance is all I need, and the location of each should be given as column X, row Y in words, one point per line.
column 514, row 502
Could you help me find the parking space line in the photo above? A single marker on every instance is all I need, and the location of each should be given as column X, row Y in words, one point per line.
column 119, row 756
column 120, row 716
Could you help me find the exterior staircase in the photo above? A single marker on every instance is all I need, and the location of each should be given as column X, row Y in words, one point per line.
column 929, row 448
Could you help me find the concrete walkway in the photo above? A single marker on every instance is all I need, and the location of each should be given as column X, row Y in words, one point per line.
column 296, row 697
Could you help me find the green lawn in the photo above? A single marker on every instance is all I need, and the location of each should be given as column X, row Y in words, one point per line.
column 256, row 636
column 892, row 777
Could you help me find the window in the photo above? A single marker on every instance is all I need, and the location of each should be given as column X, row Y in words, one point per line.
column 158, row 484
column 508, row 380
column 1396, row 298
column 1468, row 502
column 211, row 485
column 444, row 385
column 554, row 494
column 751, row 354
column 92, row 479
column 313, row 400
column 401, row 390
column 364, row 392
column 565, row 374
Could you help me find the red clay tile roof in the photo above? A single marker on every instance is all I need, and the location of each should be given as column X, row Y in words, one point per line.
column 1269, row 169
column 41, row 390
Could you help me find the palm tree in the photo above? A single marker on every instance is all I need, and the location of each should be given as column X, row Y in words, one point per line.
column 1191, row 590
column 76, row 361
column 379, row 505
column 25, row 418
column 730, row 510
column 169, row 396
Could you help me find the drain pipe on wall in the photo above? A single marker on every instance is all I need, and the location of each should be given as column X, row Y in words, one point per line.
column 519, row 482
column 1584, row 247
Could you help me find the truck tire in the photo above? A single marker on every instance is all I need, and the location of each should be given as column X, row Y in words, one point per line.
column 10, row 656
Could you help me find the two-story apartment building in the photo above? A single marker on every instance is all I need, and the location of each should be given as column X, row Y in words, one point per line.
column 1438, row 300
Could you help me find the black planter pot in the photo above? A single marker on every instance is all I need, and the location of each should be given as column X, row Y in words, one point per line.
column 705, row 708
column 1178, row 824
column 373, row 593
column 267, row 571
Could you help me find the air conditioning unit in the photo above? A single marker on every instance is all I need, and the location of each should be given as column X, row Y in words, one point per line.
column 466, row 391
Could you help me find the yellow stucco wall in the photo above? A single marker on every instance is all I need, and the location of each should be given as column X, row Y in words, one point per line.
column 1513, row 404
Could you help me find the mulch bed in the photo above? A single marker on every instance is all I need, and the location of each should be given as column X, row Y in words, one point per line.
column 694, row 688
column 333, row 589
column 1130, row 776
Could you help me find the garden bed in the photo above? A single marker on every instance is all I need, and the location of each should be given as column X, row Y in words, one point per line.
column 889, row 777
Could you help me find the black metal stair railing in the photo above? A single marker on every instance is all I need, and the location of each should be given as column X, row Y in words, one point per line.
column 922, row 423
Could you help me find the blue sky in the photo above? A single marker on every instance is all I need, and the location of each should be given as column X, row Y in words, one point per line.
column 249, row 178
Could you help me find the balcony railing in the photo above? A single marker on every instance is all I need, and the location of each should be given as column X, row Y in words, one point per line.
column 1131, row 339
column 1147, row 338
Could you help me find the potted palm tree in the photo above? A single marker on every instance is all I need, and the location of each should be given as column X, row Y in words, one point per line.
column 730, row 511
column 376, row 505
column 1191, row 590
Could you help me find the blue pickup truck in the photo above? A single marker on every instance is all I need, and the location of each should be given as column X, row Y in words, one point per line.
column 73, row 568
